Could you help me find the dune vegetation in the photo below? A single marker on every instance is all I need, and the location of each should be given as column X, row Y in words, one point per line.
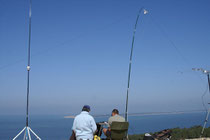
column 179, row 133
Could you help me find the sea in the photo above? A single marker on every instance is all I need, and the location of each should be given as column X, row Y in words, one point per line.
column 55, row 127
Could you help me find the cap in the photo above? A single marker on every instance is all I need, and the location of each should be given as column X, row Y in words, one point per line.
column 86, row 107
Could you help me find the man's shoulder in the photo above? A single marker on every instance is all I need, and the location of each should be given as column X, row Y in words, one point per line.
column 90, row 116
column 117, row 118
column 122, row 118
column 82, row 115
column 78, row 116
column 110, row 118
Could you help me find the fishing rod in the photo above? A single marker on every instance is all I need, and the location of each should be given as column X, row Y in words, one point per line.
column 26, row 130
column 130, row 62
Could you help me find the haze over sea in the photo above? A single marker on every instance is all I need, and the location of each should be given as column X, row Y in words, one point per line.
column 80, row 55
column 59, row 128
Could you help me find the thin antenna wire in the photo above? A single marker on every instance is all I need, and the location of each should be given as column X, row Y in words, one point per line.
column 130, row 63
column 164, row 33
column 28, row 67
column 62, row 44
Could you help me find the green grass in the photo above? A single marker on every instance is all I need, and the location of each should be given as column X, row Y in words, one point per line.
column 179, row 134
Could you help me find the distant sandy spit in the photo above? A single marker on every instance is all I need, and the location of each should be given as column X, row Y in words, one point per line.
column 69, row 117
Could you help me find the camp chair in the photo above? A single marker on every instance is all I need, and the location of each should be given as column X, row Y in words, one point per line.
column 119, row 130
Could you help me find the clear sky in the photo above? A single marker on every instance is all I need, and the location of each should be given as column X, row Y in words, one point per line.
column 80, row 54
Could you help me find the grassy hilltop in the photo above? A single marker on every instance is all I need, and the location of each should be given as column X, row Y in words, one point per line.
column 179, row 133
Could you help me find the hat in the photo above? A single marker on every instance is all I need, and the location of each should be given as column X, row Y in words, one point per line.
column 86, row 107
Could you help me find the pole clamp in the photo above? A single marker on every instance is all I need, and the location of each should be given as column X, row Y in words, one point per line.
column 28, row 68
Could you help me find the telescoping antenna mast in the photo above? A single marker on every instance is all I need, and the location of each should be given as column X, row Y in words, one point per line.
column 207, row 72
column 26, row 130
column 130, row 62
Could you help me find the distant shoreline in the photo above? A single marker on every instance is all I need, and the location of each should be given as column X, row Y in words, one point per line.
column 145, row 114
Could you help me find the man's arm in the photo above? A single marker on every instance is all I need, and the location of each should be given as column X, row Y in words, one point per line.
column 109, row 122
column 74, row 125
column 73, row 136
column 93, row 125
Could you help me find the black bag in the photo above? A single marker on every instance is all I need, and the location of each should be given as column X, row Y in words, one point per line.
column 73, row 136
column 99, row 129
column 148, row 138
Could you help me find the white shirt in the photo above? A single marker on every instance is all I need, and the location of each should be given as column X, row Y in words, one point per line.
column 84, row 126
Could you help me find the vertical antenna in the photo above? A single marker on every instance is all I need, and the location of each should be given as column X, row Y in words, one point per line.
column 130, row 62
column 207, row 72
column 28, row 66
column 207, row 116
column 26, row 130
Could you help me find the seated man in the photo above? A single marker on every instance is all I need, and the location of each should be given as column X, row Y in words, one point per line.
column 114, row 118
column 84, row 125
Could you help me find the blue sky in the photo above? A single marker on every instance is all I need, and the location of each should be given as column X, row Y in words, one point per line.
column 80, row 54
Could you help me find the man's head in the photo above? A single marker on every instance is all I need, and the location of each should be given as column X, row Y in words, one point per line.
column 86, row 108
column 115, row 112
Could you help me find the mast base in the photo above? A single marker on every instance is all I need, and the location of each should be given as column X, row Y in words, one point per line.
column 27, row 136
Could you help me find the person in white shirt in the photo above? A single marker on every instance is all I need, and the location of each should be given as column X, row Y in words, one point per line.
column 84, row 125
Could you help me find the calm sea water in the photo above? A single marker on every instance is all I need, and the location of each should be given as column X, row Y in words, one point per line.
column 59, row 128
